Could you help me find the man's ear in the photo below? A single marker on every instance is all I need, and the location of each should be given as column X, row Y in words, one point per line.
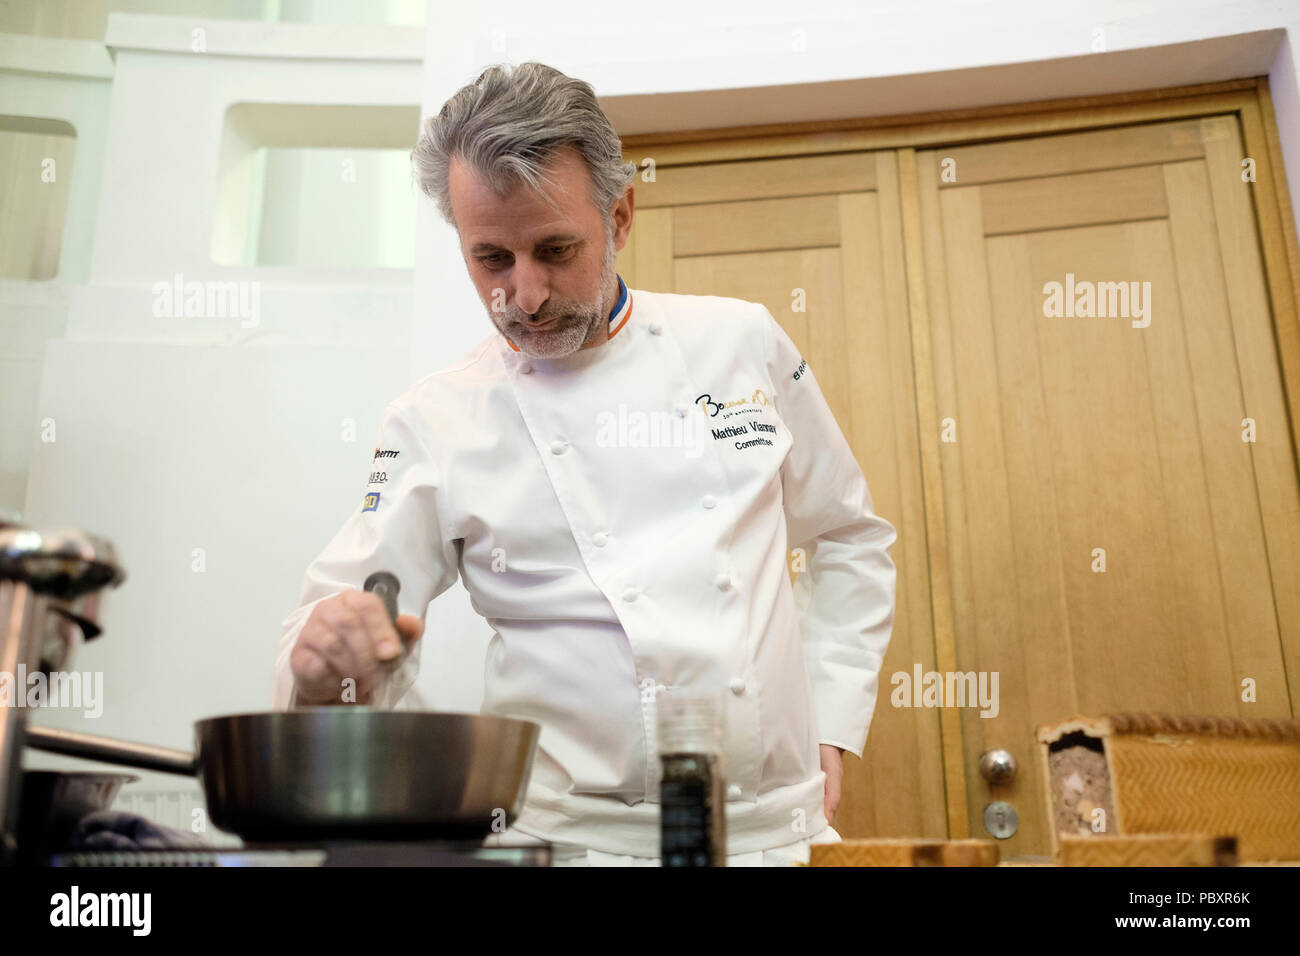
column 622, row 213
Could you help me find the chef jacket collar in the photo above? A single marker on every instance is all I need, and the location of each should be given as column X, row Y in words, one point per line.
column 618, row 315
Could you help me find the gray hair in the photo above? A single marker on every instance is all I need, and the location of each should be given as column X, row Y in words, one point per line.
column 508, row 124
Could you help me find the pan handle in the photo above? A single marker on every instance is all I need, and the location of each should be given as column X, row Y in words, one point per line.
column 385, row 585
column 108, row 750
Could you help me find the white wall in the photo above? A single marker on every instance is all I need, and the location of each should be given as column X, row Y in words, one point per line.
column 219, row 456
column 67, row 80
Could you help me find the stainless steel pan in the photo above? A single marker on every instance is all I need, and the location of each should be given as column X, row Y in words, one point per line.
column 341, row 772
column 345, row 772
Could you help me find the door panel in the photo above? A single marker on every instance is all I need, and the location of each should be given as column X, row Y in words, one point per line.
column 818, row 241
column 1078, row 437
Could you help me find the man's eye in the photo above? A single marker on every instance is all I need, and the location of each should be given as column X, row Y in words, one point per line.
column 558, row 250
column 495, row 257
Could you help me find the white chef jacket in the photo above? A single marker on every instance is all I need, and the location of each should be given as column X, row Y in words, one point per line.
column 620, row 517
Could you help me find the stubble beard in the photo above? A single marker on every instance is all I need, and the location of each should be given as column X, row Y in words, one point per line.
column 579, row 323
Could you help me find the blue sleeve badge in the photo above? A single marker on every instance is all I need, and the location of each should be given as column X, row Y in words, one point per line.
column 371, row 502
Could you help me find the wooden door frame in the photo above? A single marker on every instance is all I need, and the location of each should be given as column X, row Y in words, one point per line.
column 1246, row 99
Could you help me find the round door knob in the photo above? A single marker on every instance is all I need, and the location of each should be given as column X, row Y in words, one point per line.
column 997, row 766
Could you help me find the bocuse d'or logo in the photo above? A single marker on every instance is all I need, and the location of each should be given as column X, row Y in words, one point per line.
column 711, row 408
column 371, row 502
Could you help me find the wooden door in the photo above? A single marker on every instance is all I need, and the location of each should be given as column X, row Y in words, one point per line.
column 1120, row 490
column 818, row 240
column 1101, row 507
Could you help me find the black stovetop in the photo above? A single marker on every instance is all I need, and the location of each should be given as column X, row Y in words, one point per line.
column 368, row 853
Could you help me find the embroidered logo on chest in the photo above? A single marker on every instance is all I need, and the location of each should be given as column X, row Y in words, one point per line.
column 712, row 409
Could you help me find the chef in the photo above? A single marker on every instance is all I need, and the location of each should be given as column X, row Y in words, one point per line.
column 617, row 476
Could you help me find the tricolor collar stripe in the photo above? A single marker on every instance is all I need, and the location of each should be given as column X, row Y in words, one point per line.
column 618, row 316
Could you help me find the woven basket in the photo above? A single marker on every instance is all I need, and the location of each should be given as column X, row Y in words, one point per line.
column 1156, row 774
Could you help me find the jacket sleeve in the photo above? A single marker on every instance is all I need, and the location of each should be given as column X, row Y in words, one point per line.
column 400, row 529
column 846, row 594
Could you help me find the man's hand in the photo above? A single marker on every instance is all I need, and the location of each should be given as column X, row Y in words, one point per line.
column 348, row 636
column 833, row 767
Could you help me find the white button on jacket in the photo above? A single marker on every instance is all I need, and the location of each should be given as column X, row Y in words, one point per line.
column 619, row 549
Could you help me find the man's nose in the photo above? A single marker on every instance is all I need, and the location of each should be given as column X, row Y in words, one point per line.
column 532, row 287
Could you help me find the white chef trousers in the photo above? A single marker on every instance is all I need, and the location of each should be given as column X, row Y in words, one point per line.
column 570, row 855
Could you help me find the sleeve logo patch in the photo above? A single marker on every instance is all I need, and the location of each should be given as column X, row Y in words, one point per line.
column 371, row 502
column 803, row 367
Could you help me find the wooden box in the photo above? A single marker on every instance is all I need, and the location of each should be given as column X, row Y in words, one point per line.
column 1156, row 774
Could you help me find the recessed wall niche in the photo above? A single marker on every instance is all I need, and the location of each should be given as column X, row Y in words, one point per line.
column 316, row 186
